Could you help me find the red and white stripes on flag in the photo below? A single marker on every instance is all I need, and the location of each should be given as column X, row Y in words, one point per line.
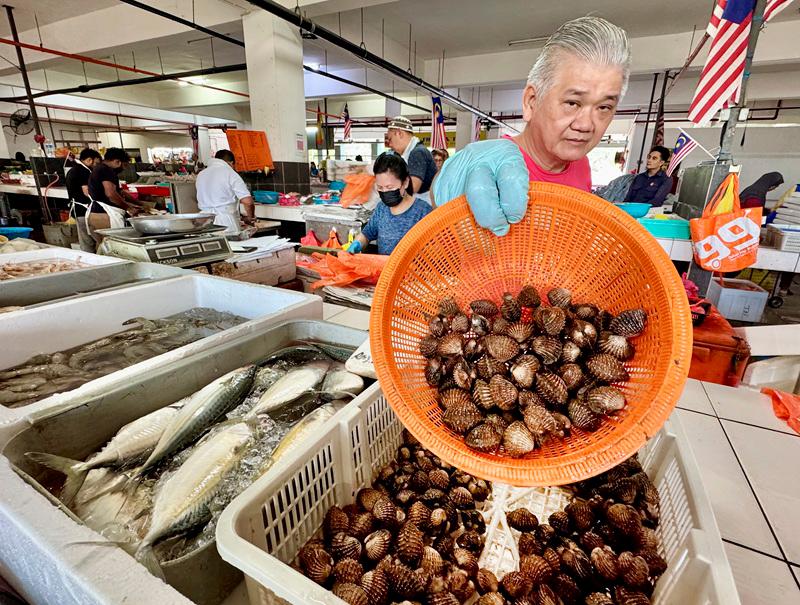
column 438, row 136
column 721, row 79
column 348, row 123
column 774, row 7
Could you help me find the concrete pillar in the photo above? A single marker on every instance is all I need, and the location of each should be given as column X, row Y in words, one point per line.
column 274, row 54
column 203, row 145
column 465, row 129
column 4, row 153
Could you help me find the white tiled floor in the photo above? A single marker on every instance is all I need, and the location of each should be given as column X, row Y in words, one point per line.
column 748, row 460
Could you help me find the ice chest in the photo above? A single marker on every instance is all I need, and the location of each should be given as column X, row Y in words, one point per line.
column 718, row 354
column 277, row 268
column 737, row 299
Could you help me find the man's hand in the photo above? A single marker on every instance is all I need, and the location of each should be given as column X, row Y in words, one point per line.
column 249, row 220
column 495, row 179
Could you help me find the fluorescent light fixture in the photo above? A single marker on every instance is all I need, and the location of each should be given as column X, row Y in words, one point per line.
column 527, row 41
column 182, row 83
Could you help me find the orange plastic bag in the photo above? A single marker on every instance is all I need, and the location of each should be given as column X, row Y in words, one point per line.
column 786, row 407
column 726, row 240
column 332, row 241
column 346, row 269
column 310, row 239
column 357, row 190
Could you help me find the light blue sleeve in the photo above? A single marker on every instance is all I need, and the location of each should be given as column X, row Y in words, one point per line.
column 495, row 179
column 370, row 230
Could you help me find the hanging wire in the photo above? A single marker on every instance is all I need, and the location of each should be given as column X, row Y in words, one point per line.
column 114, row 57
column 383, row 38
column 340, row 23
column 133, row 56
column 213, row 58
column 364, row 46
column 160, row 61
column 85, row 77
column 39, row 31
column 409, row 47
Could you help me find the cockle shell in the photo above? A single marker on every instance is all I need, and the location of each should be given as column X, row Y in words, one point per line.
column 448, row 307
column 560, row 297
column 582, row 333
column 518, row 440
column 433, row 372
column 492, row 598
column 546, row 595
column 439, row 478
column 606, row 368
column 484, row 438
column 461, row 497
column 376, row 585
column 451, row 397
column 501, row 347
column 484, row 307
column 516, row 584
column 463, row 374
column 479, row 489
column 622, row 490
column 624, row 518
column 559, row 520
column 580, row 514
column 479, row 325
column 409, row 544
column 348, row 570
column 428, row 346
column 552, row 557
column 629, row 323
column 540, row 423
column 335, row 521
column 498, row 325
column 566, row 588
column 361, row 525
column 473, row 349
column 535, row 568
column 590, row 540
column 585, row 312
column 403, row 580
column 575, row 561
column 482, row 394
column 572, row 375
column 465, row 560
column 385, row 511
column 471, row 540
column 626, row 596
column 528, row 398
column 647, row 539
column 437, row 326
column 443, row 598
column 487, row 581
column 431, row 561
column 345, row 547
column 598, row 598
column 635, row 571
column 548, row 348
column 460, row 323
column 450, row 345
column 510, row 309
column 524, row 370
column 654, row 561
column 570, row 352
column 528, row 544
column 317, row 563
column 419, row 515
column 605, row 400
column 498, row 422
column 617, row 346
column 367, row 497
column 377, row 544
column 605, row 563
column 522, row 519
column 551, row 388
column 351, row 593
column 461, row 585
column 582, row 417
column 504, row 393
column 461, row 417
column 519, row 331
column 529, row 297
column 550, row 320
column 487, row 366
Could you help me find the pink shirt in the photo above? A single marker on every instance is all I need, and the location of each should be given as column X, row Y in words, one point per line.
column 578, row 174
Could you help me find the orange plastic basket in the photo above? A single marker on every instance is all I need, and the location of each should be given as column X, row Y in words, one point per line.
column 568, row 238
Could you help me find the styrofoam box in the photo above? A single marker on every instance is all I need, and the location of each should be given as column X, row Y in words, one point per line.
column 53, row 253
column 69, row 323
column 742, row 304
column 262, row 530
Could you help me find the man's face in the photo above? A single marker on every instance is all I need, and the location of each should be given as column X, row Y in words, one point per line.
column 655, row 161
column 396, row 140
column 570, row 118
column 115, row 164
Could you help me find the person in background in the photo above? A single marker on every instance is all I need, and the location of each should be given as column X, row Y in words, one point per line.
column 220, row 190
column 570, row 99
column 653, row 185
column 755, row 196
column 359, row 158
column 110, row 204
column 419, row 160
column 386, row 142
column 398, row 211
column 439, row 157
column 77, row 182
column 313, row 170
column 19, row 156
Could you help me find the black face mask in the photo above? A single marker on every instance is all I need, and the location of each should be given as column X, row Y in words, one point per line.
column 391, row 198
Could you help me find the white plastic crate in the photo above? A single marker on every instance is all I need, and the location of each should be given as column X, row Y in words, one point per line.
column 262, row 530
column 786, row 239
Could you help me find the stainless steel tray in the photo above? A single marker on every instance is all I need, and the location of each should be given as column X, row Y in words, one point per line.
column 25, row 293
column 171, row 223
column 80, row 430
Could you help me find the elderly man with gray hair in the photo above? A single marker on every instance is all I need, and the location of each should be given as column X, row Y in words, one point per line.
column 568, row 103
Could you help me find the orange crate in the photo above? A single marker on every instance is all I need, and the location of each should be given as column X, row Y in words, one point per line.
column 718, row 355
column 567, row 238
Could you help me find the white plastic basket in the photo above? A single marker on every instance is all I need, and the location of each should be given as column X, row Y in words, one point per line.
column 262, row 530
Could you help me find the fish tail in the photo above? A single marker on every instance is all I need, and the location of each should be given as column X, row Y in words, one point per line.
column 75, row 471
column 147, row 557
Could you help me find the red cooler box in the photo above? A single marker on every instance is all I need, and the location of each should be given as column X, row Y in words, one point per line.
column 718, row 354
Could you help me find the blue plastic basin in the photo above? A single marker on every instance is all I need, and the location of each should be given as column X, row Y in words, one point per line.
column 15, row 232
column 635, row 210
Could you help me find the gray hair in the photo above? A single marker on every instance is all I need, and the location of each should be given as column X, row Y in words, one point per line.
column 592, row 39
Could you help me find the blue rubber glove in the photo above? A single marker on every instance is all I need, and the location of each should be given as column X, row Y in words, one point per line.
column 495, row 179
column 354, row 247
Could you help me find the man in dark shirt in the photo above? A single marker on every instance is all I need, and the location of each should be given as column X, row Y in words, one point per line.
column 77, row 182
column 420, row 162
column 653, row 185
column 104, row 188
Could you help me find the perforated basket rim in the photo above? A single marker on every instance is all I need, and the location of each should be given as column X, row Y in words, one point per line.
column 581, row 462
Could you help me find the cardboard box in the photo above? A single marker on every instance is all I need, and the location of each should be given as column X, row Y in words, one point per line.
column 738, row 299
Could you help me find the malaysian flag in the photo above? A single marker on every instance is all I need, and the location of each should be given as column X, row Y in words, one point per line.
column 683, row 147
column 438, row 136
column 348, row 123
column 720, row 81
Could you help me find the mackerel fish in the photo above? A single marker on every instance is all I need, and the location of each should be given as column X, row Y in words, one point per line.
column 290, row 387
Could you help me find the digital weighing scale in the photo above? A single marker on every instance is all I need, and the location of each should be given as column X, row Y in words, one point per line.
column 176, row 249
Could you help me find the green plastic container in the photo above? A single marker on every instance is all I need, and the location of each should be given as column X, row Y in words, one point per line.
column 676, row 228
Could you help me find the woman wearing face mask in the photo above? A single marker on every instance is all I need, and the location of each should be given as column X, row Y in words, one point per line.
column 398, row 211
